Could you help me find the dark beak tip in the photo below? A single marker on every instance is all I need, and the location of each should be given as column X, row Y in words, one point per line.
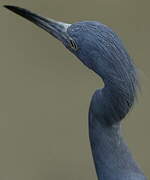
column 8, row 7
column 5, row 6
column 20, row 11
column 11, row 8
column 14, row 8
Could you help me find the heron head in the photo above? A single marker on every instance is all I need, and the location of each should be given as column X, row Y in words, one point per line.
column 80, row 38
column 95, row 44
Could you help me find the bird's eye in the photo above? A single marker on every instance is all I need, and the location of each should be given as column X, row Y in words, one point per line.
column 73, row 45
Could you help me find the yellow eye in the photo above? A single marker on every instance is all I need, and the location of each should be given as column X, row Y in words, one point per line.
column 73, row 45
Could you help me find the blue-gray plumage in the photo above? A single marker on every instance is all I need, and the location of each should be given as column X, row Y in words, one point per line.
column 101, row 50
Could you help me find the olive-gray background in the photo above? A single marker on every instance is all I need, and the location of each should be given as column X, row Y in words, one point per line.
column 45, row 91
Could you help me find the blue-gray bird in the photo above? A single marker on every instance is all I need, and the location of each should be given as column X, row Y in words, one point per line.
column 102, row 51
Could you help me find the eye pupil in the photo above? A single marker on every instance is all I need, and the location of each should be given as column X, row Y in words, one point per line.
column 73, row 45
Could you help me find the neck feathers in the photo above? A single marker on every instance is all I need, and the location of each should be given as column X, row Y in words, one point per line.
column 119, row 75
column 119, row 94
column 112, row 103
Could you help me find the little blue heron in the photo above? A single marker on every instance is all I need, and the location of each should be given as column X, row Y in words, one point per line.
column 102, row 51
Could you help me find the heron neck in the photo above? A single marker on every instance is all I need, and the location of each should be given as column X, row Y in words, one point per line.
column 111, row 155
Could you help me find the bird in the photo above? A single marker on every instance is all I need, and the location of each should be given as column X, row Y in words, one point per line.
column 101, row 50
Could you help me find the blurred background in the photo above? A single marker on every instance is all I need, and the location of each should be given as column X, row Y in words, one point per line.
column 45, row 91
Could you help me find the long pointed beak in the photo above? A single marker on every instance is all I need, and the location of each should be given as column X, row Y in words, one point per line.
column 55, row 28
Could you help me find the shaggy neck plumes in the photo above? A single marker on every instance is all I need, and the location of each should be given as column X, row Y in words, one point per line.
column 117, row 97
column 119, row 74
